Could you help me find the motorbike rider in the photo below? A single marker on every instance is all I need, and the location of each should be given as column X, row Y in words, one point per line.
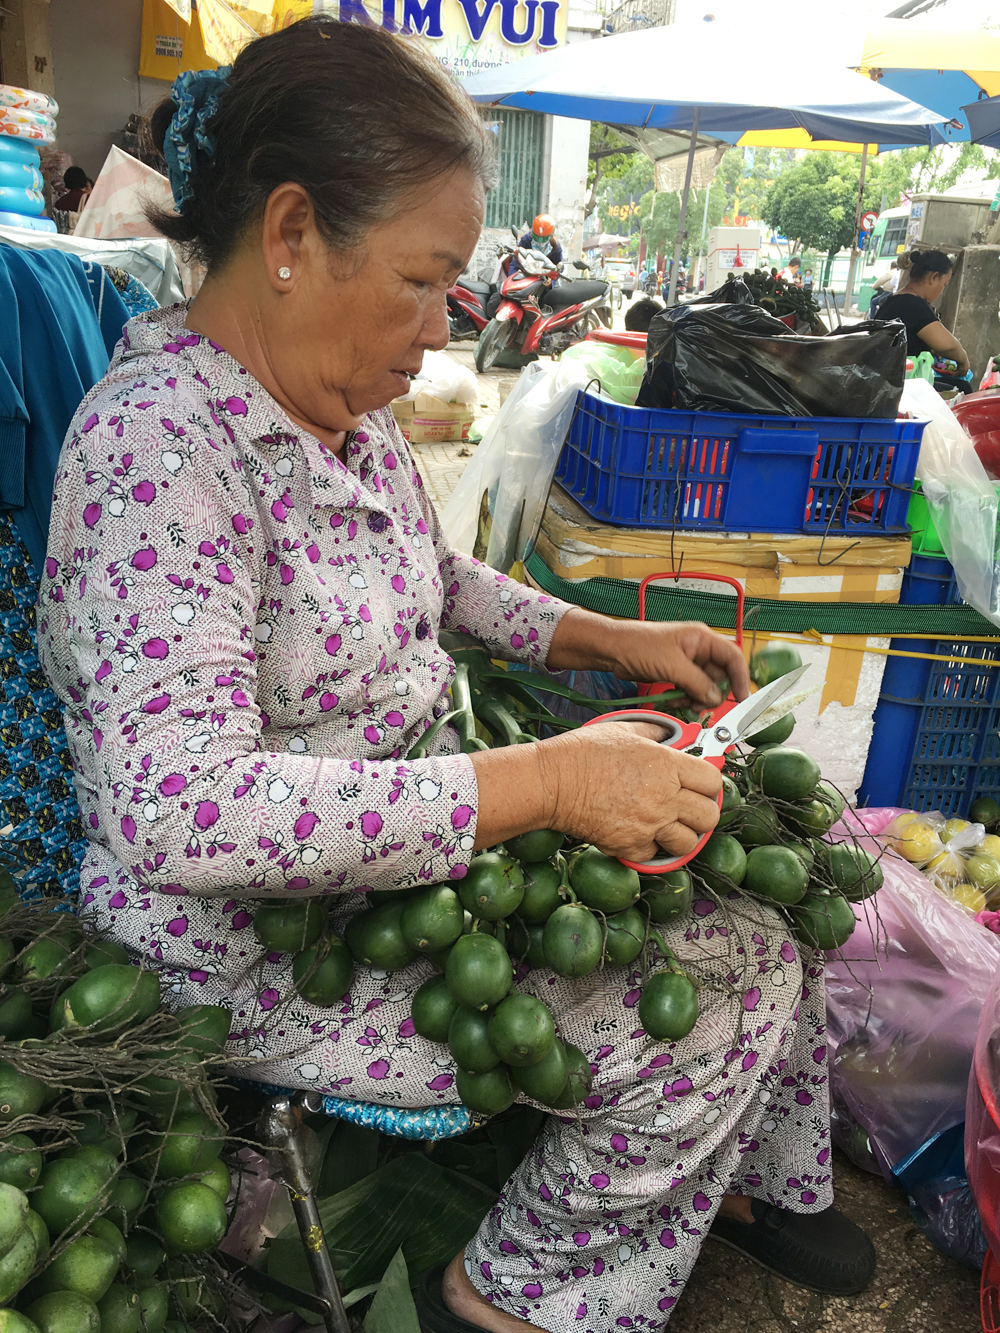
column 541, row 237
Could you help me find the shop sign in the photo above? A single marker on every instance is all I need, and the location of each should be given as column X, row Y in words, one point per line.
column 466, row 36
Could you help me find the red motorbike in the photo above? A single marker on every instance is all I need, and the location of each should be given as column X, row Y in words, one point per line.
column 540, row 312
column 467, row 308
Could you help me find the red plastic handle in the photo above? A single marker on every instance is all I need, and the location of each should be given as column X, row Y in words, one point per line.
column 682, row 736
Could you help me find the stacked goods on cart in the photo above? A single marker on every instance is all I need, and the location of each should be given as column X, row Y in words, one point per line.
column 27, row 122
column 113, row 1191
column 958, row 856
column 536, row 903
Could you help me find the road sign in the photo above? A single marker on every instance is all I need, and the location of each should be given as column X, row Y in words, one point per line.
column 868, row 221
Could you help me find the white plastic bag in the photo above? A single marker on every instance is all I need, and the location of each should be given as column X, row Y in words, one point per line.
column 441, row 376
column 960, row 496
column 514, row 466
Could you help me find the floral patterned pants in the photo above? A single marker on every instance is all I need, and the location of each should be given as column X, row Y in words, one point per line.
column 600, row 1226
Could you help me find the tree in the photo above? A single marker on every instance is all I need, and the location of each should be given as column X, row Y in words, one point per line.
column 660, row 213
column 815, row 200
column 610, row 156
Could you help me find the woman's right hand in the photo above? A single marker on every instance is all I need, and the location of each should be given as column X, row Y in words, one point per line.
column 616, row 786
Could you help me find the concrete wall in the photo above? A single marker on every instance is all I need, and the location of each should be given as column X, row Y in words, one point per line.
column 969, row 305
column 25, row 50
column 95, row 52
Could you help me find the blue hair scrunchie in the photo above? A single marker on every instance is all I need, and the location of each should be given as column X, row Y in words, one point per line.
column 196, row 93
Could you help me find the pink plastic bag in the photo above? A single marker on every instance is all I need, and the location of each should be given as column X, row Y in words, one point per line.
column 903, row 1005
column 982, row 1119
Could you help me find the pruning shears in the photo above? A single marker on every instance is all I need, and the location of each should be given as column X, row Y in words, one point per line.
column 728, row 723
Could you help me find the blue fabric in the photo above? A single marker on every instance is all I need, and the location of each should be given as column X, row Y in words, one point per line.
column 44, row 843
column 436, row 1122
column 53, row 350
column 196, row 94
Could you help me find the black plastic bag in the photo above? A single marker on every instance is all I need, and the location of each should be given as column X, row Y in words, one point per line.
column 738, row 358
column 733, row 291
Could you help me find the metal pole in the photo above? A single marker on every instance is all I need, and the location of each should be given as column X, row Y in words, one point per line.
column 678, row 243
column 855, row 252
column 701, row 243
column 283, row 1134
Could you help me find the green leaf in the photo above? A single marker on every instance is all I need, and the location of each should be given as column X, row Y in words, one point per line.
column 393, row 1310
column 410, row 1202
column 350, row 1153
column 358, row 1294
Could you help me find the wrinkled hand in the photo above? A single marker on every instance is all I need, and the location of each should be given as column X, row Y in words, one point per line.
column 690, row 655
column 615, row 786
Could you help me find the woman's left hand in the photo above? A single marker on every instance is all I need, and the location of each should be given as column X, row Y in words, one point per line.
column 686, row 653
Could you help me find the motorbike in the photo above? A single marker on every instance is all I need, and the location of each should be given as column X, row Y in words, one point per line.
column 468, row 308
column 540, row 314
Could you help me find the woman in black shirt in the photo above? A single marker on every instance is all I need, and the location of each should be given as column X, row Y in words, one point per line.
column 930, row 273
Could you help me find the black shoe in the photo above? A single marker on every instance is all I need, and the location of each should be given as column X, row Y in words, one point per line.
column 823, row 1252
column 432, row 1313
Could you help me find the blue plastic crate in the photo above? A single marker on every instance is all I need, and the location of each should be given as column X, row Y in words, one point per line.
column 935, row 743
column 659, row 469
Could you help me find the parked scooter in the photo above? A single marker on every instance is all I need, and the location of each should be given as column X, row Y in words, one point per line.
column 468, row 303
column 539, row 313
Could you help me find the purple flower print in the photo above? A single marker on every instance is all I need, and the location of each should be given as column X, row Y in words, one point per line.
column 172, row 785
column 378, row 1069
column 144, row 559
column 92, row 515
column 177, row 927
column 304, row 825
column 144, row 493
column 371, row 824
column 269, row 998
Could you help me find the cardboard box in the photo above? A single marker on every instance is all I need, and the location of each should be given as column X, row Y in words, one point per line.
column 835, row 724
column 427, row 420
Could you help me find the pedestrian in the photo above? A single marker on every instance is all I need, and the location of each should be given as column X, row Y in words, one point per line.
column 790, row 273
column 259, row 476
column 78, row 188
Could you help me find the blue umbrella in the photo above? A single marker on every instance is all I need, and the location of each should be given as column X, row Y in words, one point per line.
column 984, row 121
column 704, row 79
column 687, row 75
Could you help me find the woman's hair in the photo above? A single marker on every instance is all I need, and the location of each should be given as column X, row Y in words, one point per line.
column 355, row 116
column 75, row 178
column 922, row 262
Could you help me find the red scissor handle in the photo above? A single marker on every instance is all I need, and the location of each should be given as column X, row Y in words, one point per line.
column 661, row 686
column 682, row 736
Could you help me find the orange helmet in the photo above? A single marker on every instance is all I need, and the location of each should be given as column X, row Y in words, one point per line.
column 543, row 226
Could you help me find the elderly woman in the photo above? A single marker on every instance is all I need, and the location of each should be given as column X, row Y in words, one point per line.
column 243, row 598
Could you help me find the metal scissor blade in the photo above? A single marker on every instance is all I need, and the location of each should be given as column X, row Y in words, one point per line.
column 740, row 720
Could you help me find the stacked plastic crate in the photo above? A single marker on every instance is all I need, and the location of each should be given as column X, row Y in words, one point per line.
column 935, row 745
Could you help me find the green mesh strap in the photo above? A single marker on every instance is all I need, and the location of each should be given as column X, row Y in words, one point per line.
column 619, row 597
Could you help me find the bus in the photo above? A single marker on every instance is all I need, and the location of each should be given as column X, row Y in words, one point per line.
column 888, row 239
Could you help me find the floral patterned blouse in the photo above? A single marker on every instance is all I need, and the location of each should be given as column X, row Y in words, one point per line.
column 243, row 630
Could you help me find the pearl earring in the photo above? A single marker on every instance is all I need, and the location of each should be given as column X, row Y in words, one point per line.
column 284, row 272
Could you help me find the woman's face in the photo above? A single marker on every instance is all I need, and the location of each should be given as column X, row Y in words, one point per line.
column 934, row 284
column 348, row 331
